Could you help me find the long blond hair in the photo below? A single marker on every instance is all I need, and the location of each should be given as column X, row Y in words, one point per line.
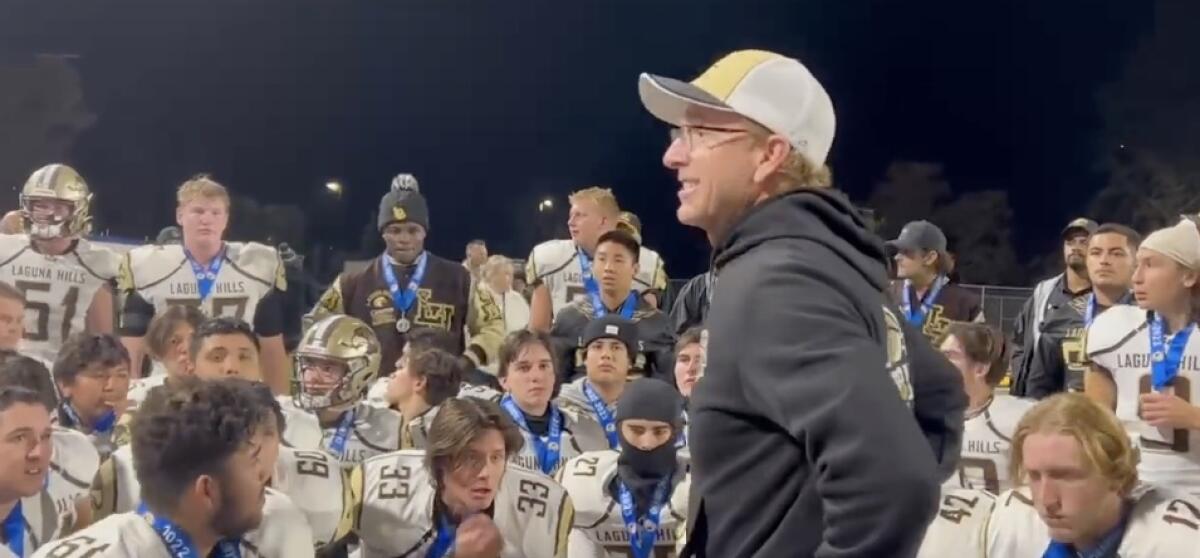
column 1105, row 445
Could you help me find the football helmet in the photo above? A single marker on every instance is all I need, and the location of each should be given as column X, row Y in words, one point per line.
column 340, row 339
column 630, row 223
column 56, row 183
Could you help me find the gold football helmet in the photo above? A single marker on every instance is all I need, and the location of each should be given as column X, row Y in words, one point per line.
column 630, row 223
column 56, row 183
column 340, row 340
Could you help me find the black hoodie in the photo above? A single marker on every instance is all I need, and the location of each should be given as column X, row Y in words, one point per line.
column 806, row 444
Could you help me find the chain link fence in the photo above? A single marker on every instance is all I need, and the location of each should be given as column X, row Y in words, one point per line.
column 1001, row 305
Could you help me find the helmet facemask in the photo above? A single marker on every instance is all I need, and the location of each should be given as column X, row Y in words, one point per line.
column 312, row 396
column 47, row 217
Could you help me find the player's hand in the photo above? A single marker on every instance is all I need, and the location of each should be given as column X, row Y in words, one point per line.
column 477, row 537
column 1165, row 410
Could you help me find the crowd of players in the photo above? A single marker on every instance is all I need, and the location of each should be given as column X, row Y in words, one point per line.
column 413, row 418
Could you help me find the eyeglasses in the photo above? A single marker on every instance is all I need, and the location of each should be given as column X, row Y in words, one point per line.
column 708, row 137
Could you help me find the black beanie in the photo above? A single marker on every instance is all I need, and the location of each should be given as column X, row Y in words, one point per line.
column 651, row 399
column 403, row 204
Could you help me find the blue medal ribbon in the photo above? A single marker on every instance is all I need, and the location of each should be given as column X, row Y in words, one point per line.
column 1104, row 547
column 337, row 444
column 443, row 542
column 1090, row 313
column 206, row 277
column 916, row 314
column 1164, row 361
column 681, row 440
column 179, row 544
column 547, row 448
column 103, row 425
column 14, row 530
column 603, row 415
column 643, row 531
column 404, row 299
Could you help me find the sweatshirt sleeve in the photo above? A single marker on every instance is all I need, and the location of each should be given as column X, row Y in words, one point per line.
column 938, row 399
column 811, row 367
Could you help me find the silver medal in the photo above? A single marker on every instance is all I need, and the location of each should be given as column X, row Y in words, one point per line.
column 403, row 325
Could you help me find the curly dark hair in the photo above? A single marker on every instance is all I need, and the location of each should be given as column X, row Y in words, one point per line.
column 443, row 373
column 187, row 428
column 220, row 326
column 82, row 350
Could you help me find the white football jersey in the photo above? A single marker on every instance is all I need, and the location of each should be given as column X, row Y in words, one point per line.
column 140, row 388
column 1119, row 342
column 72, row 467
column 377, row 395
column 1162, row 524
column 58, row 289
column 129, row 535
column 532, row 512
column 42, row 524
column 568, row 447
column 958, row 529
column 376, row 431
column 599, row 528
column 587, row 432
column 987, row 438
column 163, row 277
column 320, row 488
column 555, row 263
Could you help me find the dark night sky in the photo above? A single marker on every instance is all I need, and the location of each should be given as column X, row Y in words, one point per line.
column 494, row 104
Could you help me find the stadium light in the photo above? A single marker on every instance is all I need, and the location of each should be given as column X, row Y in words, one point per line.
column 334, row 187
column 545, row 205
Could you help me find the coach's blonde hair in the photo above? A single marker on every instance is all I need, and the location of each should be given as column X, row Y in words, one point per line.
column 458, row 423
column 495, row 264
column 602, row 197
column 797, row 170
column 1105, row 445
column 201, row 186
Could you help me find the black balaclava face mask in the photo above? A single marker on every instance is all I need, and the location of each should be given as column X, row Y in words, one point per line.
column 641, row 470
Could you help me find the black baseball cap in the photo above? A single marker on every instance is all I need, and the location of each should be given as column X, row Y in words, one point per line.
column 1082, row 224
column 920, row 235
column 611, row 327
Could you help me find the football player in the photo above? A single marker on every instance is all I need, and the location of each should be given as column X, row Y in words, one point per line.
column 167, row 343
column 203, row 452
column 1083, row 497
column 240, row 280
column 12, row 318
column 420, row 339
column 417, row 388
column 92, row 374
column 630, row 502
column 592, row 400
column 615, row 267
column 958, row 529
column 924, row 292
column 1058, row 361
column 560, row 271
column 980, row 352
column 408, row 287
column 527, row 374
column 29, row 518
column 74, row 459
column 463, row 493
column 1145, row 360
column 64, row 278
column 301, row 482
column 337, row 358
column 689, row 361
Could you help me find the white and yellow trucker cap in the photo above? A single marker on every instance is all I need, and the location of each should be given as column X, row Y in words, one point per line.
column 773, row 90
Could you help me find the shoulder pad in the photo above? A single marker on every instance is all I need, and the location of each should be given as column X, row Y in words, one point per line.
column 152, row 263
column 259, row 261
column 100, row 260
column 1114, row 327
column 550, row 256
column 11, row 245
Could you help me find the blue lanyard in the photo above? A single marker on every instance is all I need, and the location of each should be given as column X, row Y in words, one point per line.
column 681, row 440
column 206, row 278
column 444, row 541
column 585, row 269
column 1164, row 362
column 547, row 448
column 177, row 541
column 1090, row 313
column 103, row 426
column 404, row 299
column 1104, row 547
column 337, row 444
column 603, row 415
column 643, row 531
column 916, row 314
column 14, row 530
